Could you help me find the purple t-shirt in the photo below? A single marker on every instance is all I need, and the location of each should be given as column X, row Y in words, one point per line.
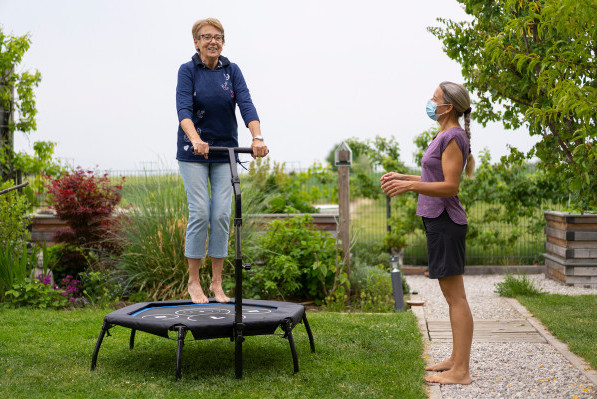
column 431, row 171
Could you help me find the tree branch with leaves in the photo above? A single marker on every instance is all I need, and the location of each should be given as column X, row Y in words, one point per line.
column 532, row 64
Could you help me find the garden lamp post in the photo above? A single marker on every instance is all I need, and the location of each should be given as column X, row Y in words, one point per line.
column 395, row 264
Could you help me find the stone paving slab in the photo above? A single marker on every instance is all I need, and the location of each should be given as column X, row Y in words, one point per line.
column 519, row 330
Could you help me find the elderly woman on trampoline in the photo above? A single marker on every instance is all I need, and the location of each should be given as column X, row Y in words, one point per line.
column 444, row 218
column 208, row 89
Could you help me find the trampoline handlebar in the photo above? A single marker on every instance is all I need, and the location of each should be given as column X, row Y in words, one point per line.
column 238, row 150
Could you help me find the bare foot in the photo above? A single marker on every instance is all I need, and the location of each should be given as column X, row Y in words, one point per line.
column 196, row 293
column 450, row 377
column 441, row 366
column 216, row 289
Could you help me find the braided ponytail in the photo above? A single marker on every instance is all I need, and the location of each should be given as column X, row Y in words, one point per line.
column 470, row 160
column 457, row 95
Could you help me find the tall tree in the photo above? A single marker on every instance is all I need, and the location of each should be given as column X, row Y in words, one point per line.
column 12, row 50
column 534, row 64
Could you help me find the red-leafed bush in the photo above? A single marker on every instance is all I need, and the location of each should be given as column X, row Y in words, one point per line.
column 86, row 201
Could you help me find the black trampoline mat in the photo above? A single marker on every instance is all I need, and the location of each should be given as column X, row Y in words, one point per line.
column 206, row 320
column 201, row 312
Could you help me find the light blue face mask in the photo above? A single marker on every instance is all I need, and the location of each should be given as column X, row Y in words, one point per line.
column 431, row 107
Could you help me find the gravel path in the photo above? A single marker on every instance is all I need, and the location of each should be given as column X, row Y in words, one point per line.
column 504, row 370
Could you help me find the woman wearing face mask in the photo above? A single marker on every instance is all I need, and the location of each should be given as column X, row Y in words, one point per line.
column 208, row 90
column 444, row 218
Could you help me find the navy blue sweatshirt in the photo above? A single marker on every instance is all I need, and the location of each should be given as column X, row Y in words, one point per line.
column 209, row 97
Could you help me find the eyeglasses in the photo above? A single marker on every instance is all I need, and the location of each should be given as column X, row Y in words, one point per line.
column 207, row 38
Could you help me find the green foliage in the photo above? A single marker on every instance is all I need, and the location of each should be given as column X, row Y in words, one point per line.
column 380, row 153
column 369, row 254
column 65, row 260
column 370, row 279
column 153, row 232
column 33, row 293
column 13, row 208
column 422, row 141
column 12, row 50
column 37, row 168
column 100, row 288
column 277, row 278
column 16, row 264
column 532, row 63
column 292, row 192
column 514, row 190
column 376, row 294
column 140, row 296
column 370, row 156
column 299, row 261
column 404, row 221
column 512, row 286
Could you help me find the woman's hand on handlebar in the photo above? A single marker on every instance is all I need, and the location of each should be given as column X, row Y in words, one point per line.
column 200, row 148
column 259, row 148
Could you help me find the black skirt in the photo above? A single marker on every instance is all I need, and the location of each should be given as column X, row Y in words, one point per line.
column 445, row 246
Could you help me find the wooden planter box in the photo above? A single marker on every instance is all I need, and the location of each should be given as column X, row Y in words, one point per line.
column 571, row 248
column 43, row 227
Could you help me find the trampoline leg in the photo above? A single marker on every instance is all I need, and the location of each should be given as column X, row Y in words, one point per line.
column 309, row 333
column 182, row 332
column 105, row 328
column 132, row 340
column 288, row 330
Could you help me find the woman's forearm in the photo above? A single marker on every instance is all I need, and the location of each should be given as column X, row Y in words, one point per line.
column 189, row 129
column 255, row 128
column 434, row 189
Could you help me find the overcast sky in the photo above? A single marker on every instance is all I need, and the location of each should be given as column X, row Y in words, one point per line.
column 319, row 72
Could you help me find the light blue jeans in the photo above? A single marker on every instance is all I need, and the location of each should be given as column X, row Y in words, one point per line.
column 207, row 213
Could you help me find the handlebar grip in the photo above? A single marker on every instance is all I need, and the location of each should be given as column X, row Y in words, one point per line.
column 238, row 150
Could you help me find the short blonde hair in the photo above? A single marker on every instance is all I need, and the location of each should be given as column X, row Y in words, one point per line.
column 204, row 22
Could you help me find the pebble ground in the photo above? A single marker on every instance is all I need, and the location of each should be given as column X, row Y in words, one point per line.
column 504, row 370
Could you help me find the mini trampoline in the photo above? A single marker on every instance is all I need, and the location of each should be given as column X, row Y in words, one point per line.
column 234, row 320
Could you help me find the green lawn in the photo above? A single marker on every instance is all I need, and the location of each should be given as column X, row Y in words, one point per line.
column 572, row 319
column 48, row 354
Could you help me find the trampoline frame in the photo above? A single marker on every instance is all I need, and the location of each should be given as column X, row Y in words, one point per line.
column 238, row 327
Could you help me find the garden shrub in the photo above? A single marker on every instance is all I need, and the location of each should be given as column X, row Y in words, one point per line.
column 40, row 293
column 86, row 202
column 376, row 294
column 299, row 261
column 364, row 253
column 65, row 259
column 100, row 287
column 292, row 192
column 371, row 280
column 34, row 293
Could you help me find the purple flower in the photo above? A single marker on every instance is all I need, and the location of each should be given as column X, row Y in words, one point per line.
column 44, row 279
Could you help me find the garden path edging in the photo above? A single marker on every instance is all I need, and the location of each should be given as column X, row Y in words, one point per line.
column 580, row 363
